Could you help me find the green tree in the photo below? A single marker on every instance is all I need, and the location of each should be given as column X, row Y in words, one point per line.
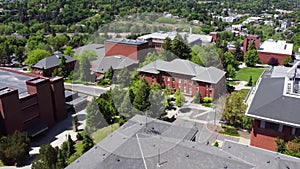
column 167, row 45
column 230, row 71
column 85, row 72
column 87, row 142
column 35, row 56
column 58, row 41
column 197, row 98
column 250, row 83
column 234, row 109
column 151, row 57
column 62, row 68
column 251, row 58
column 14, row 148
column 71, row 148
column 230, row 60
column 94, row 118
column 180, row 49
column 238, row 54
column 126, row 106
column 123, row 78
column 157, row 100
column 179, row 98
column 286, row 61
column 69, row 51
column 142, row 91
column 46, row 159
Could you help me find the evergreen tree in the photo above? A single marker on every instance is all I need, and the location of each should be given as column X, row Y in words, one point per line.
column 109, row 74
column 250, row 81
column 197, row 98
column 71, row 148
column 124, row 78
column 238, row 54
column 179, row 98
column 46, row 159
column 87, row 142
column 167, row 45
column 180, row 49
column 85, row 71
column 62, row 69
column 14, row 148
column 94, row 117
column 126, row 106
column 141, row 100
column 230, row 60
column 157, row 100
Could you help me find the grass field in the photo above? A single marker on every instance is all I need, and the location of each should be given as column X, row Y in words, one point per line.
column 245, row 73
column 102, row 133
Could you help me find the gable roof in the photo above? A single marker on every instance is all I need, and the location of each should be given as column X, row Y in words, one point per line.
column 117, row 62
column 52, row 61
column 185, row 67
column 98, row 48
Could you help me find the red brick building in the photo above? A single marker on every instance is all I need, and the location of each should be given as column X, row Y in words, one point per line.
column 46, row 66
column 276, row 50
column 30, row 103
column 186, row 76
column 248, row 40
column 134, row 49
column 274, row 104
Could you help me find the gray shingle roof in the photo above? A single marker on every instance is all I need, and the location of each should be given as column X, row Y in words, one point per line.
column 261, row 158
column 98, row 48
column 270, row 104
column 185, row 67
column 52, row 61
column 122, row 149
column 101, row 65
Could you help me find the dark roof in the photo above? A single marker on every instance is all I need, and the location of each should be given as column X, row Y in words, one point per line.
column 130, row 145
column 271, row 104
column 126, row 41
column 52, row 61
column 101, row 65
column 261, row 158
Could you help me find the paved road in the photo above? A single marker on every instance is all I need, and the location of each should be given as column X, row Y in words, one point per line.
column 91, row 90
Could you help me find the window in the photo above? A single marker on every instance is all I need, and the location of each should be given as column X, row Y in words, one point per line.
column 280, row 128
column 152, row 78
column 179, row 80
column 190, row 90
column 262, row 124
column 184, row 89
column 173, row 79
column 168, row 78
column 211, row 87
column 271, row 126
column 294, row 131
column 191, row 82
column 206, row 87
column 184, row 82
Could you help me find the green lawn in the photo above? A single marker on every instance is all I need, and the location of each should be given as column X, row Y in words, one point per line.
column 102, row 133
column 245, row 73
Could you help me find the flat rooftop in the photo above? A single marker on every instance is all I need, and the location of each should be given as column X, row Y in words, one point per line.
column 126, row 41
column 14, row 80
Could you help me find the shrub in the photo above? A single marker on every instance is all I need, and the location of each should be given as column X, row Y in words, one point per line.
column 79, row 136
column 206, row 104
column 207, row 100
column 230, row 130
column 216, row 144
